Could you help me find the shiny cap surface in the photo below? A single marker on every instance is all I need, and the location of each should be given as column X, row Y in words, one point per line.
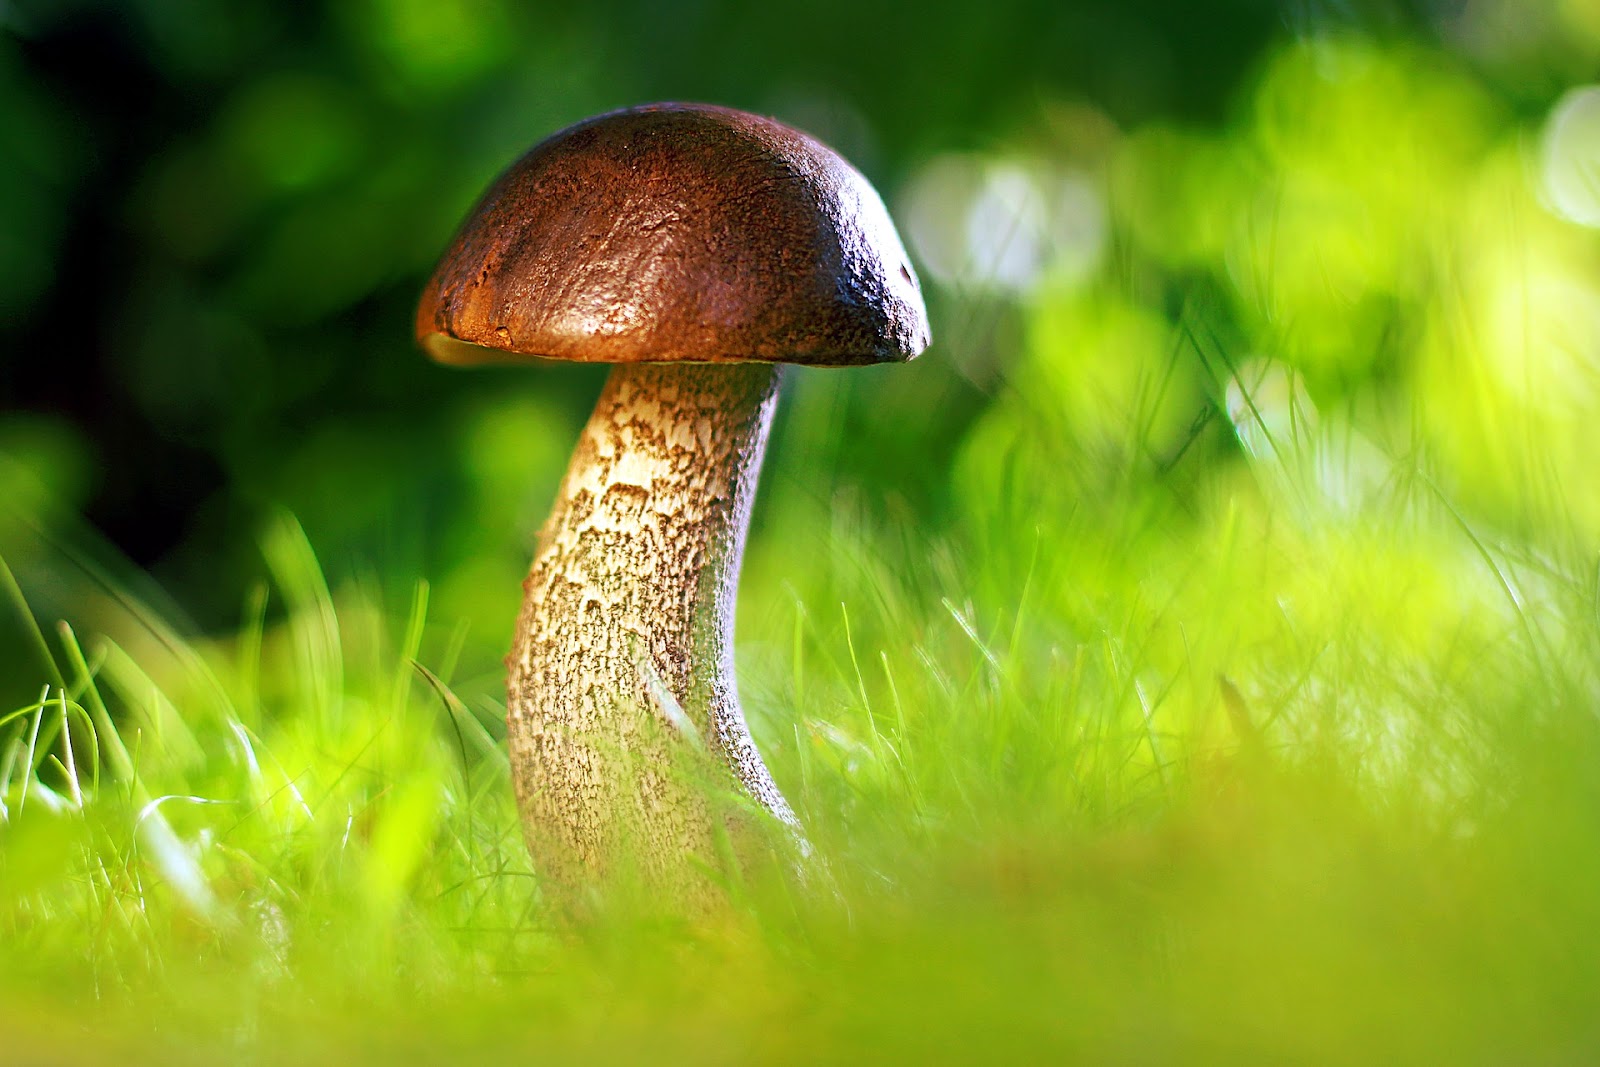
column 676, row 232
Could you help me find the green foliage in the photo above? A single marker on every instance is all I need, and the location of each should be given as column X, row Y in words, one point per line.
column 1194, row 658
column 1249, row 769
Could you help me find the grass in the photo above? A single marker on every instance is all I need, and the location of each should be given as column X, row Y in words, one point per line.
column 1186, row 722
column 1205, row 775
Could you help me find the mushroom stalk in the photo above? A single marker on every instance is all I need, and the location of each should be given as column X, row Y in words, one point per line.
column 695, row 247
column 622, row 663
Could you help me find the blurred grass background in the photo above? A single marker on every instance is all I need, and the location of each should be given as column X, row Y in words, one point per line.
column 1192, row 656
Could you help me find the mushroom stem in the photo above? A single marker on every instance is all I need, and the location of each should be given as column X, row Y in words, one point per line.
column 625, row 639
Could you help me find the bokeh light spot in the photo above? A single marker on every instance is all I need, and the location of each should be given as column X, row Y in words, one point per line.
column 1001, row 225
column 1005, row 224
column 1571, row 156
column 1269, row 408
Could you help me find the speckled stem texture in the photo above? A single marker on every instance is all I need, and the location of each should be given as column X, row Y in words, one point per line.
column 623, row 716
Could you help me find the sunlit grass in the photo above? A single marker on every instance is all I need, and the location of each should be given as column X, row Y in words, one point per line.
column 1226, row 775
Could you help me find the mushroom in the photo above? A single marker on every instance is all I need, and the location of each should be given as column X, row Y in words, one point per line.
column 697, row 248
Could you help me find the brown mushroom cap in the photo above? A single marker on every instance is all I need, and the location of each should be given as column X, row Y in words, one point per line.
column 676, row 232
